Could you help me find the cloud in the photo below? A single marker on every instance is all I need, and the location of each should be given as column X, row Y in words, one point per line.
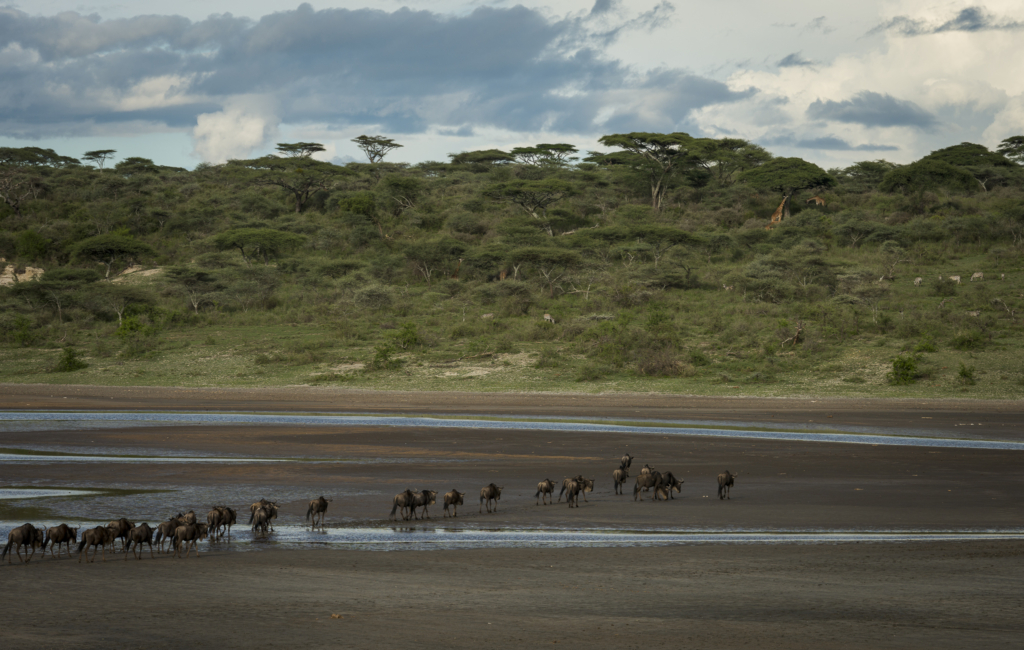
column 872, row 109
column 971, row 19
column 233, row 132
column 819, row 24
column 400, row 72
column 793, row 59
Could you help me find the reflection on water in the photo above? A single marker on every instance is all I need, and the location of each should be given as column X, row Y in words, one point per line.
column 422, row 539
column 435, row 422
column 34, row 493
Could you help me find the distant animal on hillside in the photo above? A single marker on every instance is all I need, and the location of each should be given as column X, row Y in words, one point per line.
column 978, row 276
column 918, row 281
column 954, row 278
column 549, row 319
column 817, row 200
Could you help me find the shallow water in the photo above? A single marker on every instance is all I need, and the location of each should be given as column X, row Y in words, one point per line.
column 554, row 425
column 441, row 538
column 36, row 493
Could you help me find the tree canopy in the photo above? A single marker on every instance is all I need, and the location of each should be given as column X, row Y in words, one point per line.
column 375, row 146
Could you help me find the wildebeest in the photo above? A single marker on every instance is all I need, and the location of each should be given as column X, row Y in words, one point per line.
column 190, row 535
column 260, row 520
column 619, row 477
column 625, row 461
column 573, row 491
column 586, row 485
column 670, row 482
column 423, row 499
column 317, row 508
column 646, row 469
column 25, row 535
column 490, row 493
column 227, row 519
column 565, row 484
column 190, row 518
column 139, row 535
column 725, row 481
column 120, row 529
column 453, row 499
column 98, row 536
column 165, row 530
column 59, row 536
column 213, row 520
column 402, row 501
column 545, row 491
column 648, row 481
column 271, row 509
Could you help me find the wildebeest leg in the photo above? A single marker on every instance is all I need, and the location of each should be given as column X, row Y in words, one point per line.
column 150, row 551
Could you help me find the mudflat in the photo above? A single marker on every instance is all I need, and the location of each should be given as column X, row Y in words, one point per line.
column 927, row 594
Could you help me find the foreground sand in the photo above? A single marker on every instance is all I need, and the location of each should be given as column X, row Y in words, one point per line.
column 780, row 596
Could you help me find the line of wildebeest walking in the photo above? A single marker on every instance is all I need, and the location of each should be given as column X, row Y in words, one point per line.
column 183, row 531
column 662, row 484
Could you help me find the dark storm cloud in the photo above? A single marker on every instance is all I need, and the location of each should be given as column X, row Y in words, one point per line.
column 872, row 109
column 406, row 70
column 793, row 60
column 971, row 19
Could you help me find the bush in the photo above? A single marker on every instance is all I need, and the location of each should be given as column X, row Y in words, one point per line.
column 383, row 359
column 661, row 362
column 549, row 358
column 968, row 340
column 592, row 372
column 69, row 361
column 904, row 371
column 966, row 375
column 406, row 336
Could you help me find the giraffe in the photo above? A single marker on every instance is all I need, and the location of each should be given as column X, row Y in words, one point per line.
column 817, row 200
column 780, row 212
column 455, row 276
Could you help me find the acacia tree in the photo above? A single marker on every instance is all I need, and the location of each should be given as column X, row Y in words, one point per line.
column 110, row 248
column 253, row 242
column 99, row 156
column 787, row 176
column 557, row 155
column 552, row 263
column 531, row 196
column 726, row 157
column 302, row 176
column 299, row 149
column 1013, row 148
column 375, row 146
column 656, row 156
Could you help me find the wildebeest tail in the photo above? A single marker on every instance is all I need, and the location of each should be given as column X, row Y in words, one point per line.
column 6, row 548
column 81, row 544
column 309, row 513
column 252, row 516
column 394, row 508
column 720, row 489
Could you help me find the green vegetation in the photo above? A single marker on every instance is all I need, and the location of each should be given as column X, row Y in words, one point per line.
column 646, row 269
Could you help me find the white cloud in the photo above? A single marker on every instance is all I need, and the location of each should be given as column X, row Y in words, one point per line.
column 234, row 132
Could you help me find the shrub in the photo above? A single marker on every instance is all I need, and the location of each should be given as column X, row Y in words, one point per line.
column 549, row 358
column 69, row 361
column 661, row 362
column 592, row 372
column 904, row 370
column 383, row 359
column 927, row 344
column 406, row 336
column 966, row 375
column 698, row 358
column 968, row 340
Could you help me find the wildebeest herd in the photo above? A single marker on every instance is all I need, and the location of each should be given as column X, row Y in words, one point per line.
column 183, row 531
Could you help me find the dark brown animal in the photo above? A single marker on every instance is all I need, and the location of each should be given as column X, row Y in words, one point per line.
column 626, row 461
column 586, row 485
column 139, row 535
column 423, row 499
column 120, row 529
column 98, row 536
column 670, row 483
column 403, row 500
column 725, row 483
column 646, row 469
column 25, row 535
column 545, row 491
column 572, row 492
column 317, row 508
column 228, row 518
column 565, row 484
column 453, row 499
column 490, row 493
column 271, row 509
column 260, row 520
column 619, row 477
column 646, row 482
column 189, row 535
column 165, row 530
column 190, row 518
column 59, row 536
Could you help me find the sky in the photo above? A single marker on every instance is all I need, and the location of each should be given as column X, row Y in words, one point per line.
column 194, row 81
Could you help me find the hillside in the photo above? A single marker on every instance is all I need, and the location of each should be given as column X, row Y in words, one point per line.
column 654, row 268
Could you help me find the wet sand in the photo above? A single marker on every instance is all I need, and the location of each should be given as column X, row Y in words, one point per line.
column 934, row 594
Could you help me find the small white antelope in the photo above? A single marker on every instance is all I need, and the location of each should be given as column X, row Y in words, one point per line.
column 548, row 318
column 954, row 278
column 918, row 281
column 978, row 276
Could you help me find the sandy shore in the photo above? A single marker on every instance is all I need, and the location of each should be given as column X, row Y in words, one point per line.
column 785, row 596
